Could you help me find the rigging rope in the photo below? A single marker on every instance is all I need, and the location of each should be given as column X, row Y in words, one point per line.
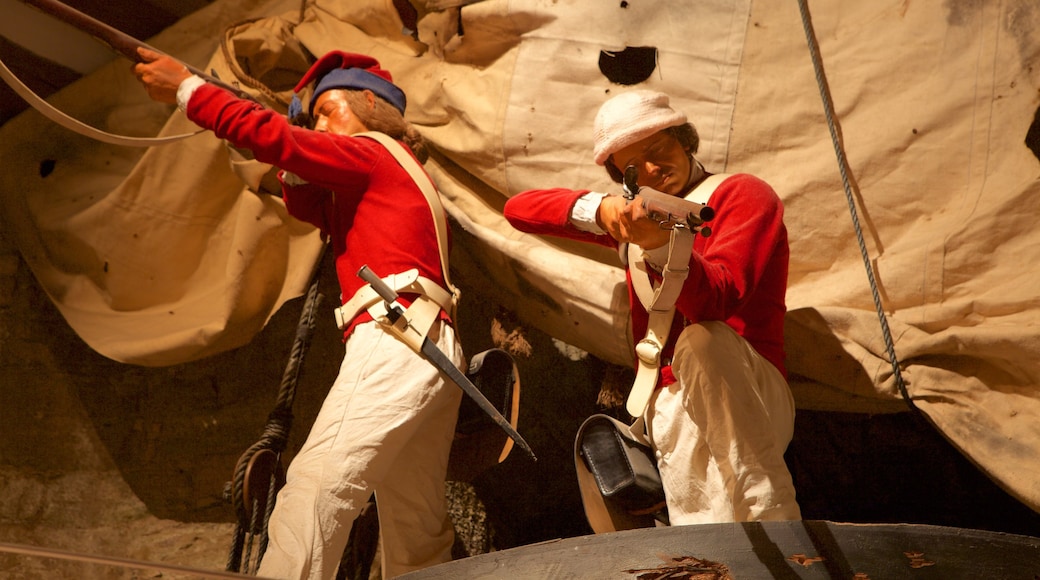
column 123, row 563
column 832, row 125
column 275, row 437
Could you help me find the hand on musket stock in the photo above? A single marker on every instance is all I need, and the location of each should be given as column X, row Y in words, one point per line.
column 668, row 211
column 160, row 74
column 629, row 223
column 649, row 222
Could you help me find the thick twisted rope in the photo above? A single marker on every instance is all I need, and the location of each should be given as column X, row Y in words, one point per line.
column 275, row 436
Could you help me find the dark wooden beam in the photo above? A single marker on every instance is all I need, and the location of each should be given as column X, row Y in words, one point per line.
column 42, row 76
column 139, row 19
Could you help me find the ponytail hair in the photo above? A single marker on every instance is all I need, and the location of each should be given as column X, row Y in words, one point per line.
column 385, row 118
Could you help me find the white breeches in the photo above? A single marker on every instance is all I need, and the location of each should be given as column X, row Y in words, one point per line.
column 386, row 426
column 719, row 432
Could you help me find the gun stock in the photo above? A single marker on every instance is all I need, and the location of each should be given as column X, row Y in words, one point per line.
column 117, row 40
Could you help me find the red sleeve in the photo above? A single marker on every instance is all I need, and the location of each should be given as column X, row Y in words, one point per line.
column 327, row 160
column 548, row 212
column 739, row 273
column 727, row 266
column 330, row 162
column 308, row 202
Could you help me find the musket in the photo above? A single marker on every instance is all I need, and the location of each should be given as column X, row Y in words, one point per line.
column 668, row 210
column 433, row 354
column 117, row 40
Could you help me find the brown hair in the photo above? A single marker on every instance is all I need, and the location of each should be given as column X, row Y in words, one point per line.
column 387, row 119
column 685, row 134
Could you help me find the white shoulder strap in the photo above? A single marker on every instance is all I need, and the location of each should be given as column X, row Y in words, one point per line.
column 426, row 185
column 661, row 310
column 660, row 302
column 702, row 193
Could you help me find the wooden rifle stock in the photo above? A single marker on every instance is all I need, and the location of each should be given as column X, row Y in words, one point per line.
column 669, row 210
column 117, row 40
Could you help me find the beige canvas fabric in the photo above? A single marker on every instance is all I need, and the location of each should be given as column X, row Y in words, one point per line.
column 165, row 256
column 154, row 256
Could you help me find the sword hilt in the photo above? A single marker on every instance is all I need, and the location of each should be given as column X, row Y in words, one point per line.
column 385, row 292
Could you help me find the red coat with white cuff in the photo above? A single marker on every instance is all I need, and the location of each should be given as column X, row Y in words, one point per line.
column 737, row 275
column 356, row 192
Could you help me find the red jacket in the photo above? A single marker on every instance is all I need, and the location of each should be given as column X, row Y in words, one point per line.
column 737, row 275
column 358, row 195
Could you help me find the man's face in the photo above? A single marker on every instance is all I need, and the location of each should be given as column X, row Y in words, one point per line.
column 333, row 115
column 662, row 162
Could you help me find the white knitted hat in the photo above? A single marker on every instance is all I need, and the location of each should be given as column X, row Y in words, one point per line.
column 630, row 117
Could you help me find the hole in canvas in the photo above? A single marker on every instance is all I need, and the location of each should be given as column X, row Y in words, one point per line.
column 630, row 66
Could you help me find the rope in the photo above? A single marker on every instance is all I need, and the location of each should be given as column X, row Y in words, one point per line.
column 832, row 125
column 234, row 558
column 272, row 491
column 123, row 563
column 275, row 437
column 236, row 69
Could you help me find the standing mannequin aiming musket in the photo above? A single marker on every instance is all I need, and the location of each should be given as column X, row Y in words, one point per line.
column 387, row 423
column 349, row 165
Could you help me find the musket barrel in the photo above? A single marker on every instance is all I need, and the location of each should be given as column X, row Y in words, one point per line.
column 668, row 208
column 662, row 203
column 119, row 41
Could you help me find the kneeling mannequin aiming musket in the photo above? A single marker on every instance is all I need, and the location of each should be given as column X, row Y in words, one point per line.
column 710, row 384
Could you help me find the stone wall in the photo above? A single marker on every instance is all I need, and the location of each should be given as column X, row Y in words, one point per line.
column 118, row 460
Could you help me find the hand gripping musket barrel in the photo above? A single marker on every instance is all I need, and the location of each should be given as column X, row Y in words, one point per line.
column 429, row 350
column 668, row 210
column 118, row 41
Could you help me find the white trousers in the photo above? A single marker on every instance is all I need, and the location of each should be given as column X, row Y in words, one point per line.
column 386, row 426
column 719, row 432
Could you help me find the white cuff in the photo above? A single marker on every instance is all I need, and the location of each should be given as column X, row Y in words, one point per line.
column 583, row 214
column 187, row 89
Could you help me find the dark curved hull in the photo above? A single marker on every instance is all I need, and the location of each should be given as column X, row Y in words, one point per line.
column 800, row 549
